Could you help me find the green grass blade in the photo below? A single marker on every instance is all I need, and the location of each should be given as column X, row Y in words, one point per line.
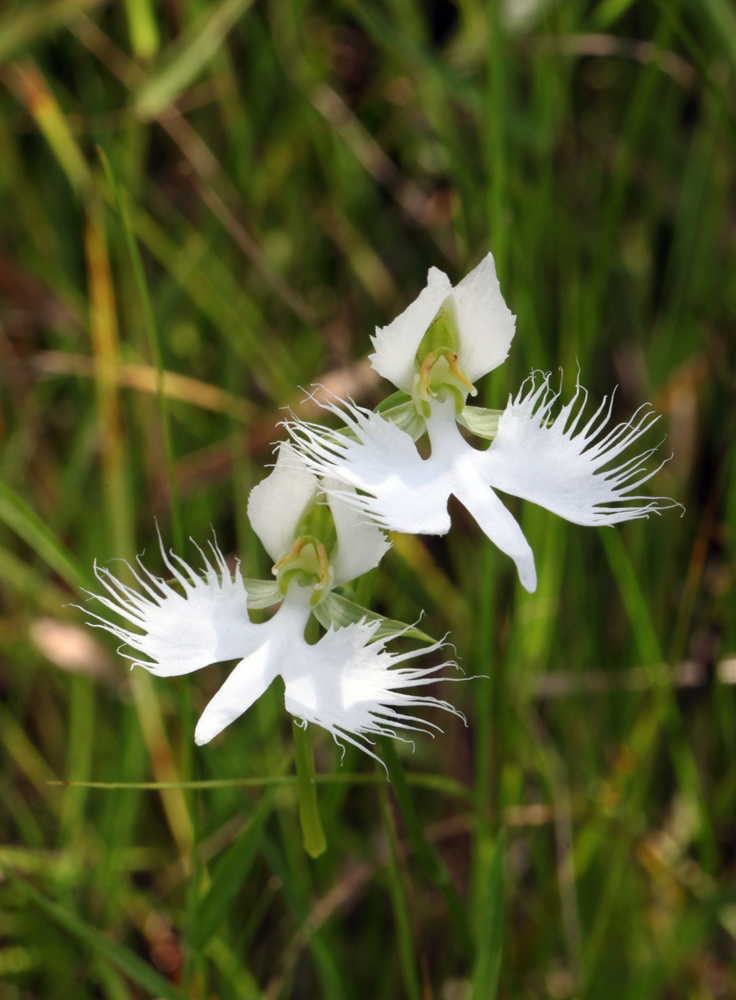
column 121, row 957
column 490, row 930
column 27, row 23
column 402, row 918
column 324, row 960
column 723, row 16
column 187, row 57
column 26, row 523
column 425, row 854
column 609, row 11
column 142, row 28
column 229, row 876
column 637, row 609
column 155, row 347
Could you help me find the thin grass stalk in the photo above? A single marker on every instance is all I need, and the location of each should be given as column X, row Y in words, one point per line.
column 155, row 347
column 491, row 923
column 105, row 345
column 400, row 902
column 425, row 854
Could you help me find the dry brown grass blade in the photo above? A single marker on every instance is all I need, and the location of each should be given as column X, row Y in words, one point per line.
column 214, row 462
column 610, row 46
column 143, row 378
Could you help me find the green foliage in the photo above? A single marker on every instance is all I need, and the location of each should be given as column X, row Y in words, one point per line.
column 282, row 174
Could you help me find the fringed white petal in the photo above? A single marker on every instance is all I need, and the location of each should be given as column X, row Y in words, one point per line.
column 278, row 503
column 360, row 542
column 406, row 493
column 352, row 687
column 485, row 323
column 396, row 344
column 179, row 632
column 570, row 471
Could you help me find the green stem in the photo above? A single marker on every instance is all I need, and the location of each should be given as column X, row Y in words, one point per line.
column 314, row 836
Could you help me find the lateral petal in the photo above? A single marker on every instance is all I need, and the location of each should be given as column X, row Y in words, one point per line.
column 181, row 633
column 569, row 470
column 278, row 503
column 352, row 687
column 396, row 344
column 407, row 493
column 360, row 542
column 485, row 323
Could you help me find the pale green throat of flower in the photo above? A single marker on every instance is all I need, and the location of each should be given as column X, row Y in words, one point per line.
column 308, row 561
column 438, row 374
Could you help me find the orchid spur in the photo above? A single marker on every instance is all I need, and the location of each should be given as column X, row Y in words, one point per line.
column 347, row 682
column 434, row 352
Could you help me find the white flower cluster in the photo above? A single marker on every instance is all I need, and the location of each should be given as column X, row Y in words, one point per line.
column 322, row 512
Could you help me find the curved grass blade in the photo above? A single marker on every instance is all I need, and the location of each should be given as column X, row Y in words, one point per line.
column 229, row 876
column 153, row 343
column 29, row 23
column 425, row 854
column 123, row 958
column 26, row 523
column 187, row 57
column 490, row 930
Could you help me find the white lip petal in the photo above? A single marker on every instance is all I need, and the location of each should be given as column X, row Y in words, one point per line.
column 180, row 634
column 352, row 687
column 360, row 542
column 494, row 518
column 568, row 470
column 247, row 682
column 277, row 504
column 396, row 344
column 407, row 493
column 485, row 323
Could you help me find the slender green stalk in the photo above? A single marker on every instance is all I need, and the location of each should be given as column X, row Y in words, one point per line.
column 491, row 924
column 315, row 842
column 402, row 917
column 433, row 782
column 426, row 855
column 154, row 344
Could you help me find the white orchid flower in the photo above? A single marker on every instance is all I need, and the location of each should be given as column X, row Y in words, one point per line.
column 434, row 351
column 346, row 683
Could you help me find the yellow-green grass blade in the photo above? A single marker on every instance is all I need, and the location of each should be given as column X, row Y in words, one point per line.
column 25, row 522
column 187, row 57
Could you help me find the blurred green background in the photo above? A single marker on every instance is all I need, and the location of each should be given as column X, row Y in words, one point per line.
column 290, row 170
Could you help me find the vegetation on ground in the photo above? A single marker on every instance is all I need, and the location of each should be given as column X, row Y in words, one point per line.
column 205, row 204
